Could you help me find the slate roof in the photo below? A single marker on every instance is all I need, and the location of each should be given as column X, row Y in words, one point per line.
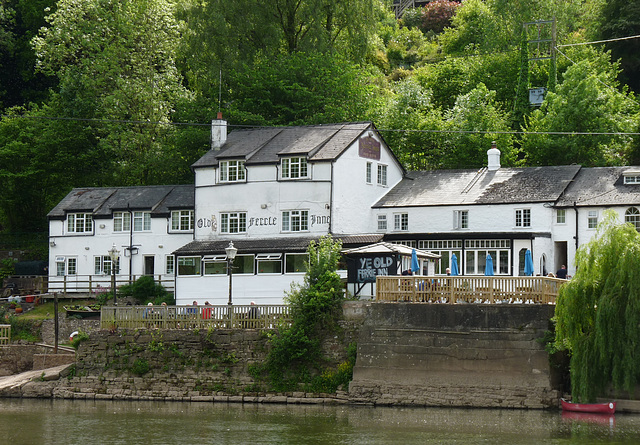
column 601, row 186
column 103, row 201
column 268, row 145
column 467, row 187
column 267, row 245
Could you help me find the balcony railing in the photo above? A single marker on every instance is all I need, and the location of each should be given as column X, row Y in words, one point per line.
column 99, row 283
column 264, row 316
column 468, row 289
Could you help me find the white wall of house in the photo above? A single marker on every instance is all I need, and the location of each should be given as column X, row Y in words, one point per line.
column 263, row 203
column 82, row 249
column 353, row 196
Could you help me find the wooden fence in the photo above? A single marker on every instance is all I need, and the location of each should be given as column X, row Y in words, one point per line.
column 265, row 316
column 5, row 334
column 468, row 289
column 97, row 284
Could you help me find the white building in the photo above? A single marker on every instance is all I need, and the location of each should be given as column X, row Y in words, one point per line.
column 146, row 224
column 272, row 190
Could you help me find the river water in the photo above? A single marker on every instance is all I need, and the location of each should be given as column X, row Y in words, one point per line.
column 35, row 421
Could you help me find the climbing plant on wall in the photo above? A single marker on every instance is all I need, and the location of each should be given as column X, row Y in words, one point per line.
column 295, row 357
column 598, row 312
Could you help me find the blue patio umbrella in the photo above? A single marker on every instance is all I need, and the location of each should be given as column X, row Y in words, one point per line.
column 488, row 268
column 415, row 265
column 528, row 263
column 454, row 265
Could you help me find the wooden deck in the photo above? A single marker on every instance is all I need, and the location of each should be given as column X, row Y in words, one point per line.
column 266, row 316
column 468, row 289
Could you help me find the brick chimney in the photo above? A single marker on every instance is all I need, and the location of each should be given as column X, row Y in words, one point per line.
column 493, row 155
column 218, row 132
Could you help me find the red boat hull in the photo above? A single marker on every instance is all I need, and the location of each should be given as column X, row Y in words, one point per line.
column 595, row 408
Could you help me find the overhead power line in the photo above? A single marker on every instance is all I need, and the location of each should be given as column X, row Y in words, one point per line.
column 600, row 41
column 330, row 127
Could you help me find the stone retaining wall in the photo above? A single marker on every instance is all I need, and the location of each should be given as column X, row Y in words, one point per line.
column 454, row 355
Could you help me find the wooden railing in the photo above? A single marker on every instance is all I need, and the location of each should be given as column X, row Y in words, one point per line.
column 5, row 334
column 468, row 289
column 97, row 284
column 265, row 316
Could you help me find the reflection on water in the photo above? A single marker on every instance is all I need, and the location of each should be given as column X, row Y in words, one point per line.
column 71, row 422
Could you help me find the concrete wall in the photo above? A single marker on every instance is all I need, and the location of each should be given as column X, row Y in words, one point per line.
column 454, row 355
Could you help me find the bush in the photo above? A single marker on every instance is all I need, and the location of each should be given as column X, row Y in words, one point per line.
column 82, row 336
column 144, row 289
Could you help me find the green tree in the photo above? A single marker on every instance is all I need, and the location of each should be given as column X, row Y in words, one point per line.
column 585, row 101
column 412, row 116
column 19, row 23
column 116, row 61
column 621, row 18
column 295, row 356
column 473, row 115
column 301, row 88
column 598, row 312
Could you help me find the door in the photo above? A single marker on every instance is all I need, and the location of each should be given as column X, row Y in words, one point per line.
column 149, row 265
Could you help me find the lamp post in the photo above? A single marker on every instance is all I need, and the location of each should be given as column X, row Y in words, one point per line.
column 114, row 254
column 231, row 254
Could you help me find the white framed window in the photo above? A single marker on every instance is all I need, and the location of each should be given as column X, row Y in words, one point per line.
column 79, row 223
column 189, row 265
column 296, row 262
column 215, row 265
column 382, row 174
column 460, row 219
column 233, row 222
column 632, row 216
column 523, row 217
column 141, row 221
column 121, row 221
column 170, row 265
column 382, row 222
column 72, row 266
column 631, row 177
column 60, row 266
column 401, row 221
column 561, row 216
column 102, row 265
column 269, row 263
column 368, row 174
column 295, row 220
column 182, row 220
column 294, row 168
column 592, row 219
column 232, row 171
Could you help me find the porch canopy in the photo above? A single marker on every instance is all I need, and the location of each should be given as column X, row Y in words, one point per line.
column 383, row 258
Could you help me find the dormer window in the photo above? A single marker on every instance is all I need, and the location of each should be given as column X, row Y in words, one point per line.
column 631, row 177
column 79, row 223
column 294, row 168
column 232, row 171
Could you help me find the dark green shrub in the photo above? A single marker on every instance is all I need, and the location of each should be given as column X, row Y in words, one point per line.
column 140, row 367
column 82, row 336
column 144, row 289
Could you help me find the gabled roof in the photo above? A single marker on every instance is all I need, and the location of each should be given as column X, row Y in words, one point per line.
column 103, row 201
column 601, row 186
column 467, row 187
column 268, row 145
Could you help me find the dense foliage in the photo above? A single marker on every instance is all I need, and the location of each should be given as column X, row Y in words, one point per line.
column 145, row 290
column 295, row 355
column 598, row 312
column 97, row 93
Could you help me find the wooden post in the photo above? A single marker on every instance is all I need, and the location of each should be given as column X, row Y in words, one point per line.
column 55, row 323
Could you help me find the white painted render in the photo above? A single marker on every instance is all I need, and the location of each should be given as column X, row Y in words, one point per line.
column 158, row 243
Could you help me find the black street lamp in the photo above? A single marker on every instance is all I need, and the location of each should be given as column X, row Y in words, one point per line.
column 231, row 254
column 114, row 254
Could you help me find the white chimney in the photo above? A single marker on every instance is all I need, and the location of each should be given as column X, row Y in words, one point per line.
column 493, row 155
column 218, row 132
